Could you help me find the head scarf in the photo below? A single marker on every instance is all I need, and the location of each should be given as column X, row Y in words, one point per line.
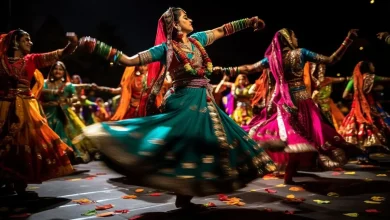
column 274, row 55
column 262, row 88
column 6, row 40
column 126, row 82
column 157, row 69
column 39, row 81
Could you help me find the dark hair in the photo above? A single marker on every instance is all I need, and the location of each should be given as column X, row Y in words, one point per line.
column 365, row 66
column 176, row 15
column 16, row 36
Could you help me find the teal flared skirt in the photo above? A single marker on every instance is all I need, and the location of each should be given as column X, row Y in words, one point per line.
column 193, row 148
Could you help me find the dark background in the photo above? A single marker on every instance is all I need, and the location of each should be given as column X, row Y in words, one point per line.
column 130, row 25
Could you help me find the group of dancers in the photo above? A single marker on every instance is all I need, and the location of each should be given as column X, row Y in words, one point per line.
column 168, row 131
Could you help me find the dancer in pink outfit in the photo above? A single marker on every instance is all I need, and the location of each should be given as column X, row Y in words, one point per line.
column 292, row 116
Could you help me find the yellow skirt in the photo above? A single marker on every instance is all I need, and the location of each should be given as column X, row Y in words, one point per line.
column 29, row 148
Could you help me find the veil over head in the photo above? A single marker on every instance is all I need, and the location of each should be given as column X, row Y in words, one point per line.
column 274, row 55
column 6, row 40
column 157, row 70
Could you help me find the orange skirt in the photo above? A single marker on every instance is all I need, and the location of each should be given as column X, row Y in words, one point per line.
column 29, row 148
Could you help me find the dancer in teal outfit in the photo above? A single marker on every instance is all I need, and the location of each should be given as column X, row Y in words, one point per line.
column 192, row 148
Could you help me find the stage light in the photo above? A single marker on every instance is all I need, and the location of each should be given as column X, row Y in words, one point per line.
column 111, row 64
column 338, row 74
column 372, row 1
column 361, row 48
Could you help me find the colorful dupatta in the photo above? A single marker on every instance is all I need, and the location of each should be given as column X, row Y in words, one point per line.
column 126, row 82
column 281, row 96
column 362, row 108
column 157, row 71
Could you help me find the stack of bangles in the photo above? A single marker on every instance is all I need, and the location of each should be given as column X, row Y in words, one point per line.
column 91, row 45
column 235, row 26
column 230, row 71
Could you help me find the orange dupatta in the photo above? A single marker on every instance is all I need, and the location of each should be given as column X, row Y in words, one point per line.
column 261, row 88
column 362, row 108
column 126, row 82
column 37, row 89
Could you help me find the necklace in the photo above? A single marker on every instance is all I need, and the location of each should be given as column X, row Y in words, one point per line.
column 207, row 67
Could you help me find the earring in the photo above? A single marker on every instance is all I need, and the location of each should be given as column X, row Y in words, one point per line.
column 51, row 79
column 179, row 33
column 63, row 79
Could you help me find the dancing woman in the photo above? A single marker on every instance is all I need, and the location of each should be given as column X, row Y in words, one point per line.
column 193, row 148
column 292, row 116
column 57, row 100
column 30, row 151
column 132, row 89
column 365, row 125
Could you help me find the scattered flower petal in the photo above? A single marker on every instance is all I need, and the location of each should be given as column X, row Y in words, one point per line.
column 234, row 201
column 83, row 201
column 155, row 194
column 289, row 212
column 210, row 204
column 290, row 196
column 280, row 185
column 318, row 201
column 296, row 189
column 223, row 197
column 104, row 207
column 129, row 197
column 381, row 175
column 270, row 190
column 350, row 173
column 139, row 190
column 294, row 200
column 352, row 214
column 367, row 179
column 253, row 190
column 90, row 213
column 378, row 198
column 336, row 174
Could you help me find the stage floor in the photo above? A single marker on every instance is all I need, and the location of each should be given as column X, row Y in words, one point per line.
column 355, row 191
